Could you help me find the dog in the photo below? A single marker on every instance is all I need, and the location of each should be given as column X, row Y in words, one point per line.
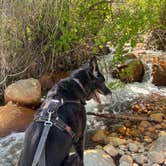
column 83, row 84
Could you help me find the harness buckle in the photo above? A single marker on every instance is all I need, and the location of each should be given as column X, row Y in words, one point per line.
column 48, row 123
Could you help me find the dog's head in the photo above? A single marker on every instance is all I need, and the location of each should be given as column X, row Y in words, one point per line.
column 92, row 80
column 97, row 80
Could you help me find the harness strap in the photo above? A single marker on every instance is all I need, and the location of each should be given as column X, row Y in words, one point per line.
column 58, row 123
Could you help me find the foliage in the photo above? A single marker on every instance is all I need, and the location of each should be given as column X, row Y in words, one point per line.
column 116, row 84
column 128, row 22
column 40, row 31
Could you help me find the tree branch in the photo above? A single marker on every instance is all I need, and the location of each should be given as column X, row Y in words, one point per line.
column 124, row 117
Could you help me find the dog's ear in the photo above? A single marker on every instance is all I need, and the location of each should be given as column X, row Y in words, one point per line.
column 93, row 66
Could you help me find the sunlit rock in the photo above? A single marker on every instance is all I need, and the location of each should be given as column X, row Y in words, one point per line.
column 97, row 158
column 14, row 118
column 24, row 92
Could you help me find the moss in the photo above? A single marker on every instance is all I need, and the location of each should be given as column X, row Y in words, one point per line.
column 127, row 74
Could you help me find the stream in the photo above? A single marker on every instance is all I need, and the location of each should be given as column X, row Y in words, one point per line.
column 122, row 99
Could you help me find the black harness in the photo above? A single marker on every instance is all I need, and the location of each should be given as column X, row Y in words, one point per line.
column 49, row 117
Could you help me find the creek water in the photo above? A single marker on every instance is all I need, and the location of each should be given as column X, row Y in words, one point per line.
column 121, row 100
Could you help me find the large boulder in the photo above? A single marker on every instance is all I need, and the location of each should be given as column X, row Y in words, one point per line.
column 25, row 92
column 159, row 74
column 14, row 118
column 131, row 70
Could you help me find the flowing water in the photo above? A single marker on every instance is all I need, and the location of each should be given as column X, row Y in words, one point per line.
column 121, row 99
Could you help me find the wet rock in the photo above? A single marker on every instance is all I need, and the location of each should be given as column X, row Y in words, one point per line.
column 24, row 92
column 126, row 158
column 130, row 71
column 14, row 118
column 110, row 150
column 100, row 135
column 97, row 158
column 10, row 149
column 156, row 157
column 133, row 147
column 159, row 74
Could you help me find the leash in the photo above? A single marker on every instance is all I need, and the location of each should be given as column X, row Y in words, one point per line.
column 40, row 148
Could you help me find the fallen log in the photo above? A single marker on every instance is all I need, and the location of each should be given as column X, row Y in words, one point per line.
column 124, row 117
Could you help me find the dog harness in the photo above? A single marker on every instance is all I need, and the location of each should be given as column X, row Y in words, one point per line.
column 51, row 106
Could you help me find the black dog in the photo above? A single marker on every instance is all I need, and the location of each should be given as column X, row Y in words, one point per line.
column 83, row 85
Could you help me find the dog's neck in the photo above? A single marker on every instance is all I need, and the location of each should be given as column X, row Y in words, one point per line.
column 80, row 84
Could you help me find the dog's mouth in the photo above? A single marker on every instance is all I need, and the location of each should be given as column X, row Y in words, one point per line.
column 96, row 97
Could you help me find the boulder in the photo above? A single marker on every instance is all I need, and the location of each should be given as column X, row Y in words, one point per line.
column 97, row 158
column 159, row 74
column 25, row 92
column 159, row 145
column 131, row 70
column 47, row 80
column 14, row 118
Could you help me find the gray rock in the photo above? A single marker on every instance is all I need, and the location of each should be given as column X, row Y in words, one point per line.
column 123, row 163
column 126, row 158
column 159, row 145
column 97, row 158
column 155, row 164
column 110, row 150
column 140, row 159
column 133, row 147
column 156, row 157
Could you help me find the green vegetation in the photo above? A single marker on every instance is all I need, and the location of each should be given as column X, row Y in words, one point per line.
column 41, row 31
column 116, row 84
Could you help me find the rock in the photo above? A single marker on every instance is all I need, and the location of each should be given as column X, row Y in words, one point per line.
column 157, row 116
column 126, row 158
column 97, row 158
column 155, row 164
column 156, row 157
column 130, row 71
column 24, row 92
column 14, row 118
column 159, row 145
column 123, row 163
column 110, row 150
column 145, row 124
column 100, row 135
column 140, row 159
column 148, row 139
column 115, row 141
column 135, row 164
column 10, row 149
column 133, row 147
column 159, row 74
column 47, row 80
